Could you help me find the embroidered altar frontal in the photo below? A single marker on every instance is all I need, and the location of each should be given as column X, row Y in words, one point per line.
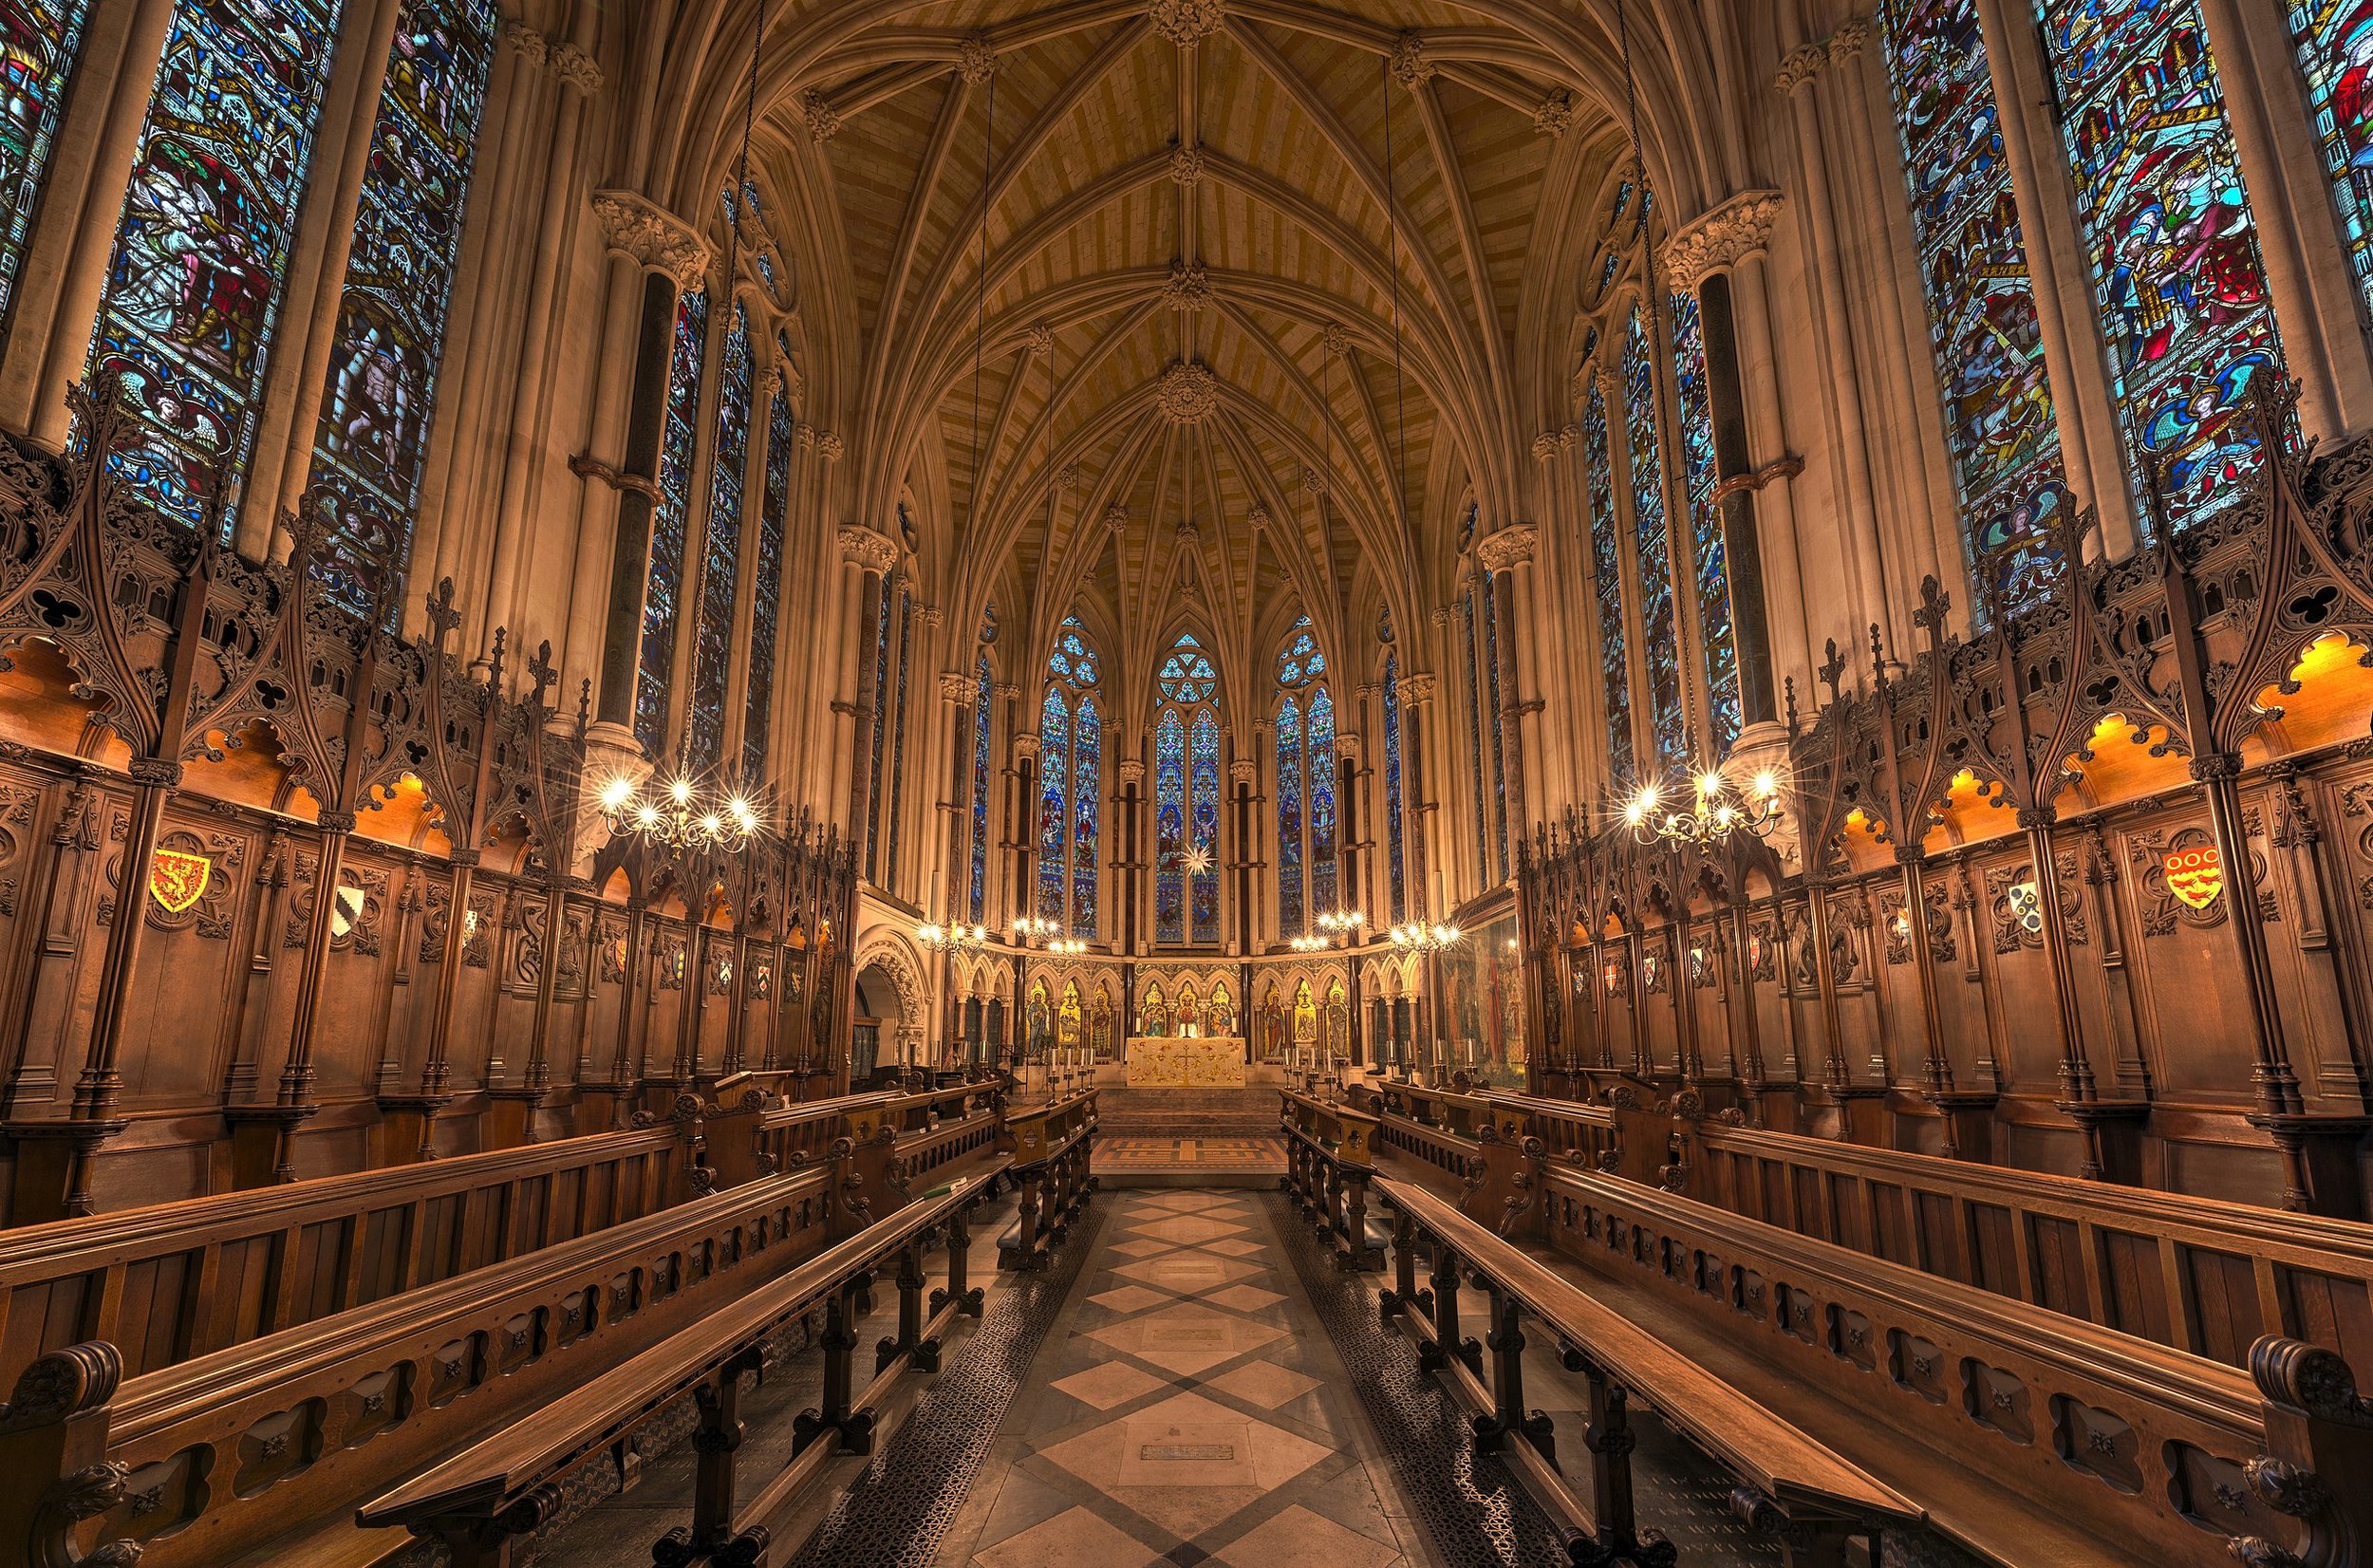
column 1170, row 1062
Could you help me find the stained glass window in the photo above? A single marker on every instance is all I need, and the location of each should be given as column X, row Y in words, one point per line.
column 1299, row 662
column 1203, row 828
column 1498, row 775
column 200, row 259
column 1186, row 796
column 897, row 779
column 980, row 792
column 1289, row 819
column 1169, row 828
column 1700, row 476
column 663, row 587
column 884, row 605
column 1070, row 743
column 1396, row 861
column 1981, row 303
column 2181, row 290
column 1475, row 734
column 1652, row 541
column 766, row 599
column 2335, row 44
column 372, row 438
column 40, row 41
column 1324, row 882
column 1053, row 794
column 1607, row 569
column 720, row 563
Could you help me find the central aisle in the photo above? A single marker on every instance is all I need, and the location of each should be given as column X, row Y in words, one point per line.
column 1188, row 1408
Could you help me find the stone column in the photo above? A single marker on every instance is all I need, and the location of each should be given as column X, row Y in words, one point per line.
column 866, row 557
column 1502, row 552
column 958, row 689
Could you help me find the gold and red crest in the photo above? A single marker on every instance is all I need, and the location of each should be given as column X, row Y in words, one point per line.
column 2195, row 875
column 177, row 879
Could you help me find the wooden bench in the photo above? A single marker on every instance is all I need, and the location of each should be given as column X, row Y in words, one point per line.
column 1051, row 1143
column 1330, row 1159
column 1790, row 1484
column 483, row 1501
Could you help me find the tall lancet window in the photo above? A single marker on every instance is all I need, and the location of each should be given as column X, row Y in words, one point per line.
column 1186, row 796
column 1981, row 305
column 2335, row 44
column 1071, row 775
column 767, row 596
column 979, row 894
column 720, row 554
column 1652, row 541
column 1719, row 646
column 1606, row 563
column 40, row 41
column 194, row 287
column 2181, row 290
column 1396, row 863
column 1308, row 877
column 372, row 438
column 662, row 586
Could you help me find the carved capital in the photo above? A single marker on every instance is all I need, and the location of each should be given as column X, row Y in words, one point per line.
column 531, row 46
column 1546, row 446
column 1555, row 115
column 1797, row 70
column 830, row 446
column 160, row 770
column 1849, row 39
column 650, row 235
column 1243, row 771
column 929, row 616
column 866, row 548
column 578, row 71
column 1026, row 743
column 1417, row 689
column 1505, row 549
column 959, row 686
column 1737, row 228
column 1130, row 771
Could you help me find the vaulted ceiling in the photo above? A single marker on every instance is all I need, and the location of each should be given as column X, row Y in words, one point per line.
column 1249, row 320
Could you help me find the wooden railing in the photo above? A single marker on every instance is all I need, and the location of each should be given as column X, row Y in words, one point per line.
column 179, row 1280
column 1330, row 1159
column 2167, row 1454
column 1052, row 1143
column 482, row 1501
column 223, row 1452
column 1789, row 1484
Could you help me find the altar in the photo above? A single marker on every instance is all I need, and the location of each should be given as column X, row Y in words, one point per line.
column 1172, row 1061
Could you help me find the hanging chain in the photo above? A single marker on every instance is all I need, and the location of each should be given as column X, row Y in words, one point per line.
column 981, row 298
column 741, row 173
column 1392, row 226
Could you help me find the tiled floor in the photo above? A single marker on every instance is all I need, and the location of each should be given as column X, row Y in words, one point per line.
column 1188, row 1410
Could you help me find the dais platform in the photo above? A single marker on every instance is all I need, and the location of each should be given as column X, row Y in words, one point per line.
column 1188, row 1137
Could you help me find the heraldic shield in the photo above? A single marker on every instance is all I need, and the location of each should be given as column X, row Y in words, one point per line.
column 2195, row 875
column 176, row 879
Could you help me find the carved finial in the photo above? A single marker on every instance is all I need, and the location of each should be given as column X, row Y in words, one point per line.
column 495, row 659
column 541, row 675
column 442, row 617
column 1832, row 669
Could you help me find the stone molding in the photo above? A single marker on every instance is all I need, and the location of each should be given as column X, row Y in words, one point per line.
column 862, row 548
column 1725, row 236
column 1505, row 549
column 651, row 236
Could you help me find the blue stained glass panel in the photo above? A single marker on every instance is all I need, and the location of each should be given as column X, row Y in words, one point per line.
column 1654, row 543
column 980, row 792
column 2175, row 268
column 372, row 436
column 720, row 563
column 1054, row 798
column 766, row 602
column 1324, row 884
column 1395, row 856
column 662, row 586
column 1289, row 819
column 40, row 41
column 1700, row 474
column 1204, row 826
column 1607, row 569
column 1981, row 303
column 201, row 262
column 1169, row 828
column 1087, row 775
column 2335, row 42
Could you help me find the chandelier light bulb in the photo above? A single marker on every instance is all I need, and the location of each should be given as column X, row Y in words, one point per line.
column 616, row 793
column 680, row 791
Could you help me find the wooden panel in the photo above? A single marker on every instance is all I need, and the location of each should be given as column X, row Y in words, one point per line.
column 320, row 1270
column 2058, row 1248
column 386, row 1234
column 2134, row 1284
column 152, row 1320
column 1941, row 1244
column 2328, row 1311
column 1993, row 1249
column 2225, row 1316
column 1891, row 1231
column 47, row 1316
column 441, row 1239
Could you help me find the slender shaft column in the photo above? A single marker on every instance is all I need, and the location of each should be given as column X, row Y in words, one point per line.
column 1503, row 553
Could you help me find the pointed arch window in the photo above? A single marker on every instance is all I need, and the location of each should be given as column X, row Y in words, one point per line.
column 372, row 438
column 1308, row 874
column 1606, row 563
column 1718, row 649
column 2177, row 279
column 1186, row 796
column 1653, row 544
column 199, row 269
column 1395, row 858
column 979, row 890
column 2334, row 40
column 38, row 54
column 720, row 555
column 1981, row 302
column 1070, row 748
column 766, row 597
column 663, row 587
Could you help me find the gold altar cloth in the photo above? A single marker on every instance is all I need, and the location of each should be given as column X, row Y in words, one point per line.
column 1170, row 1062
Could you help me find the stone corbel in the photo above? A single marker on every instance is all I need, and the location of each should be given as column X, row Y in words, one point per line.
column 1798, row 67
column 1725, row 236
column 651, row 236
column 1505, row 549
column 871, row 552
column 1025, row 744
column 1779, row 468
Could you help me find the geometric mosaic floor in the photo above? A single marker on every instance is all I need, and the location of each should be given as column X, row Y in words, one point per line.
column 1119, row 1156
column 1187, row 1410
